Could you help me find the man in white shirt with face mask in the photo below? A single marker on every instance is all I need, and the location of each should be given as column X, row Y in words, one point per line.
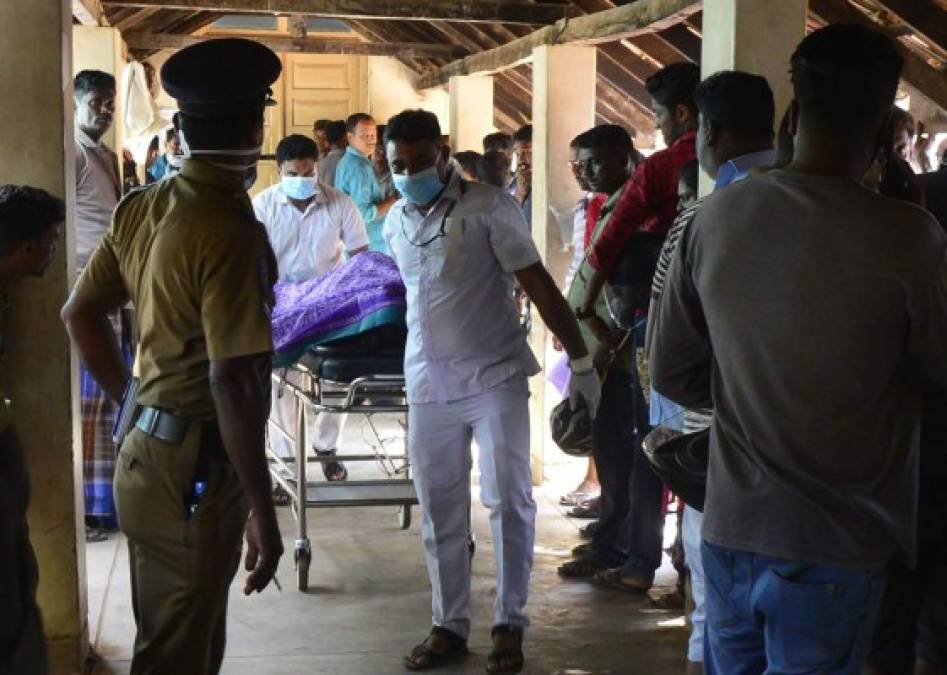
column 310, row 226
column 459, row 246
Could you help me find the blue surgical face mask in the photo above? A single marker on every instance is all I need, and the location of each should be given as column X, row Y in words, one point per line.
column 300, row 188
column 419, row 188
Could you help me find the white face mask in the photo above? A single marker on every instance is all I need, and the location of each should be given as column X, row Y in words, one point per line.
column 187, row 151
column 299, row 188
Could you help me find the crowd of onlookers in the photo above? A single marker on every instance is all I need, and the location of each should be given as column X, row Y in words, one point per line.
column 799, row 317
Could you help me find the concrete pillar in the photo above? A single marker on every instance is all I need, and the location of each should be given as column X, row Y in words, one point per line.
column 101, row 48
column 37, row 370
column 471, row 111
column 755, row 36
column 564, row 79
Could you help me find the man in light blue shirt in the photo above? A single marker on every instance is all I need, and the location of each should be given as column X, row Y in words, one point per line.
column 355, row 176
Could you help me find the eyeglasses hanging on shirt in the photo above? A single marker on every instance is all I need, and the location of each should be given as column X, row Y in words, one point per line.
column 442, row 230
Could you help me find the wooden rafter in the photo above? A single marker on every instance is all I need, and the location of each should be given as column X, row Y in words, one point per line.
column 930, row 81
column 89, row 12
column 685, row 42
column 925, row 17
column 135, row 18
column 613, row 24
column 146, row 40
column 408, row 10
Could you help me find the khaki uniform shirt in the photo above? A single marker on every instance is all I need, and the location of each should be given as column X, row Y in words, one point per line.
column 191, row 256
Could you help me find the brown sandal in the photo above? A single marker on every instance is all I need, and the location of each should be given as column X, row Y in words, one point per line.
column 424, row 657
column 510, row 660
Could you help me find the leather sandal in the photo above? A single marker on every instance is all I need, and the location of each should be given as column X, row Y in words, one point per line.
column 425, row 657
column 583, row 568
column 334, row 472
column 508, row 660
column 615, row 578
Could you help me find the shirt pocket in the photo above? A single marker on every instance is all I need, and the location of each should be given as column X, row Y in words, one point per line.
column 449, row 253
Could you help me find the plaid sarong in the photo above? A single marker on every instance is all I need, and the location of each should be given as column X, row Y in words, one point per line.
column 98, row 413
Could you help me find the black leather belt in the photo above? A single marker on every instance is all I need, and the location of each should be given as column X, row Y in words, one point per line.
column 163, row 425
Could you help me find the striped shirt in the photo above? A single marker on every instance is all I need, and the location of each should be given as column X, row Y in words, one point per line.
column 694, row 420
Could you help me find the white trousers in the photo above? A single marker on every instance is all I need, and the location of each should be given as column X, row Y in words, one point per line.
column 324, row 433
column 693, row 522
column 440, row 444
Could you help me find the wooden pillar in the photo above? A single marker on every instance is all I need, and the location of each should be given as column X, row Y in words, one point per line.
column 471, row 111
column 36, row 148
column 564, row 80
column 755, row 36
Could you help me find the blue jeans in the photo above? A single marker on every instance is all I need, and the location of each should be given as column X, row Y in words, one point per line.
column 781, row 617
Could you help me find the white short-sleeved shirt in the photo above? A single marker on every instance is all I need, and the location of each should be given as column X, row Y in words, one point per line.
column 98, row 190
column 308, row 244
column 457, row 262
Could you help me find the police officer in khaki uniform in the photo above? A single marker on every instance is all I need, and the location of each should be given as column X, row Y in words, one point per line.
column 189, row 253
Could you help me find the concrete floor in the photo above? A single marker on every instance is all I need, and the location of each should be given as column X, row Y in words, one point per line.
column 369, row 602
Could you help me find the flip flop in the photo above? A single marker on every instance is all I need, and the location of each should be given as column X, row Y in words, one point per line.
column 582, row 568
column 576, row 498
column 423, row 657
column 510, row 660
column 94, row 535
column 583, row 550
column 612, row 578
column 588, row 531
column 280, row 496
column 587, row 512
column 335, row 472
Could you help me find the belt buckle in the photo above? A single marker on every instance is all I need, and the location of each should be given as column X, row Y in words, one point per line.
column 152, row 422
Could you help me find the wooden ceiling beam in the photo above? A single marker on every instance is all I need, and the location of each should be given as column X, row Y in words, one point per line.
column 147, row 40
column 636, row 66
column 407, row 10
column 89, row 12
column 925, row 18
column 370, row 31
column 930, row 81
column 685, row 42
column 659, row 49
column 136, row 17
column 643, row 16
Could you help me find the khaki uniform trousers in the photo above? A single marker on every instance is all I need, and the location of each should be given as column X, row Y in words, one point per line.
column 182, row 565
column 22, row 645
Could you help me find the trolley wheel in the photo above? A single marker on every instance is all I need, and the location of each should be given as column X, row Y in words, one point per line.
column 303, row 559
column 404, row 516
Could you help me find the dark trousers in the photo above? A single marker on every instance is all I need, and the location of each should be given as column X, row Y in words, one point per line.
column 631, row 526
column 912, row 623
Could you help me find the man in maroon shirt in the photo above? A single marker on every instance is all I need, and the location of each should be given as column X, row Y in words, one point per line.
column 650, row 199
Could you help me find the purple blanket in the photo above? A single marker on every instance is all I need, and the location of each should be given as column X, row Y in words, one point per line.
column 337, row 300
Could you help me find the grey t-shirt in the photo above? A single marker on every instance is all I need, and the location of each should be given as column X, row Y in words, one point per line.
column 805, row 310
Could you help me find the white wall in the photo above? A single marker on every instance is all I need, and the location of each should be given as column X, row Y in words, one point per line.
column 390, row 90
